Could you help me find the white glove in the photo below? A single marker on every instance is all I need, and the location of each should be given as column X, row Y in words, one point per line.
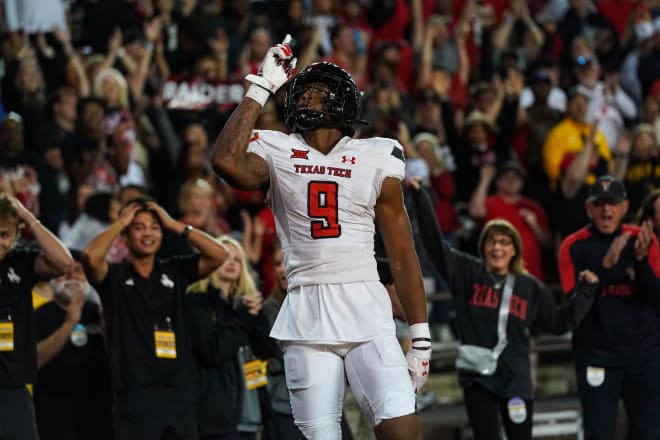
column 276, row 69
column 419, row 356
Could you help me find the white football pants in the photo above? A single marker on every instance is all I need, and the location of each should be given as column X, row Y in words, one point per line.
column 316, row 375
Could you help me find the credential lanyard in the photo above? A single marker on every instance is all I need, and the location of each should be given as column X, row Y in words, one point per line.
column 504, row 315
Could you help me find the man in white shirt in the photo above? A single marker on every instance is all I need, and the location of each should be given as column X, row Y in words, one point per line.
column 608, row 102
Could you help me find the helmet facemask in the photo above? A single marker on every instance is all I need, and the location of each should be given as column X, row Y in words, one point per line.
column 339, row 108
column 312, row 106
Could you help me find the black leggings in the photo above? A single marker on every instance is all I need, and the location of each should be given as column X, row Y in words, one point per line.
column 483, row 408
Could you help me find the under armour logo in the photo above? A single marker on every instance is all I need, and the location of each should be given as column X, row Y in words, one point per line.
column 12, row 276
column 299, row 154
column 425, row 363
column 254, row 137
column 166, row 281
column 130, row 282
column 605, row 184
column 351, row 159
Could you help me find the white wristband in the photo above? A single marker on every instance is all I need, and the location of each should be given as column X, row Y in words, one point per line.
column 258, row 93
column 420, row 334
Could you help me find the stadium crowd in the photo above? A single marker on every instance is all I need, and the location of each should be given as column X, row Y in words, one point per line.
column 543, row 113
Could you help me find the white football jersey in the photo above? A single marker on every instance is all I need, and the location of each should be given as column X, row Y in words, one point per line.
column 324, row 204
column 324, row 214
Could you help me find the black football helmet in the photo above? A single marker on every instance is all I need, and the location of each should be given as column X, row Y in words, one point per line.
column 342, row 106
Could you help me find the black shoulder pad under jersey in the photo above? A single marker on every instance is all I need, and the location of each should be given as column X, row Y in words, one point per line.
column 398, row 153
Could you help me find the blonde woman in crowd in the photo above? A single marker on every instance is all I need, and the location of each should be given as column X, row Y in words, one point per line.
column 228, row 330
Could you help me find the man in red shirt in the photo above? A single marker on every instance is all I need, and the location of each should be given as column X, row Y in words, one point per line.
column 508, row 203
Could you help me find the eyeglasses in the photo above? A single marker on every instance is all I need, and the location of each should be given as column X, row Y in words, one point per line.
column 502, row 241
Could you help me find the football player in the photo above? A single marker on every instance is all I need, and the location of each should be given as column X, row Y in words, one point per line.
column 325, row 190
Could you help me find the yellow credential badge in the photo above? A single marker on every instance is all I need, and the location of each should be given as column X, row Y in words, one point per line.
column 165, row 343
column 255, row 374
column 6, row 336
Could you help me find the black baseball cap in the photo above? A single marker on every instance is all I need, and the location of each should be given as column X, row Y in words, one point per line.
column 540, row 76
column 512, row 165
column 607, row 188
column 578, row 90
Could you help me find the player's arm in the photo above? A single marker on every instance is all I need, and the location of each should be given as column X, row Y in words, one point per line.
column 231, row 160
column 395, row 228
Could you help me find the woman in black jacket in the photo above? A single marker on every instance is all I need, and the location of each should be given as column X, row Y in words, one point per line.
column 228, row 329
column 494, row 369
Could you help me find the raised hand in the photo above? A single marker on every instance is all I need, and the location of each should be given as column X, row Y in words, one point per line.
column 520, row 9
column 589, row 277
column 62, row 35
column 624, row 144
column 593, row 129
column 166, row 220
column 611, row 81
column 23, row 213
column 219, row 42
column 188, row 7
column 75, row 306
column 441, row 84
column 528, row 216
column 259, row 227
column 152, row 29
column 403, row 135
column 43, row 46
column 23, row 47
column 614, row 251
column 127, row 214
column 115, row 41
column 413, row 182
column 487, row 172
column 253, row 303
column 514, row 83
column 277, row 67
column 644, row 240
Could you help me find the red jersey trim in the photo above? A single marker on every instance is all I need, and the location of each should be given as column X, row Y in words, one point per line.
column 566, row 269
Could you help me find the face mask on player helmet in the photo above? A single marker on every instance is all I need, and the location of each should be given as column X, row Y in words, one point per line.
column 341, row 106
